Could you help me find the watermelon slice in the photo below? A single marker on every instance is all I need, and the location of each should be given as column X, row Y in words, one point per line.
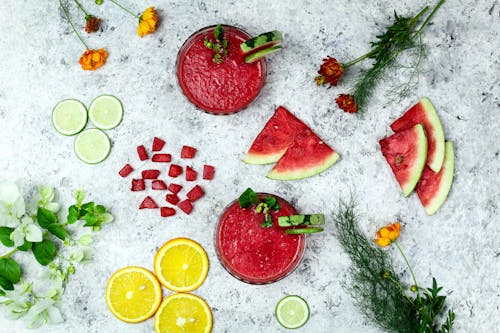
column 208, row 172
column 406, row 152
column 148, row 203
column 161, row 158
column 158, row 184
column 195, row 193
column 126, row 170
column 191, row 174
column 143, row 154
column 174, row 170
column 157, row 144
column 167, row 211
column 307, row 156
column 424, row 113
column 188, row 152
column 433, row 188
column 150, row 174
column 186, row 206
column 272, row 142
column 138, row 185
column 172, row 199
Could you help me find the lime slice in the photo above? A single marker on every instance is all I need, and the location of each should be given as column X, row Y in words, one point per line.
column 69, row 117
column 92, row 146
column 300, row 231
column 106, row 112
column 292, row 311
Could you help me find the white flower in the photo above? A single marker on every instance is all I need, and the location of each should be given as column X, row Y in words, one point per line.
column 17, row 301
column 55, row 275
column 86, row 240
column 43, row 312
column 46, row 194
column 12, row 205
column 27, row 230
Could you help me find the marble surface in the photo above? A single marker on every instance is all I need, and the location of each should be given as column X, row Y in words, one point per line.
column 460, row 245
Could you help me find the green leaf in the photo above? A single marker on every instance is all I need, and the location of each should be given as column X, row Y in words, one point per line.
column 5, row 236
column 45, row 217
column 100, row 209
column 2, row 293
column 44, row 251
column 270, row 201
column 6, row 284
column 219, row 32
column 87, row 208
column 248, row 198
column 79, row 196
column 58, row 231
column 268, row 222
column 73, row 214
column 90, row 220
column 10, row 270
column 25, row 247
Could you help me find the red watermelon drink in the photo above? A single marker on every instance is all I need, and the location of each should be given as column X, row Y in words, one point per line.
column 255, row 254
column 219, row 88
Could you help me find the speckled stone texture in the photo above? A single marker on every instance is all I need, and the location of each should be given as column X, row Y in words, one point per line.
column 460, row 245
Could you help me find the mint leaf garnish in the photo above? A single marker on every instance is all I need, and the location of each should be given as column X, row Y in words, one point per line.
column 248, row 198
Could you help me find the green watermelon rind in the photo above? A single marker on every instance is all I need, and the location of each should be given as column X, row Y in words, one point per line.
column 307, row 172
column 418, row 167
column 446, row 181
column 252, row 158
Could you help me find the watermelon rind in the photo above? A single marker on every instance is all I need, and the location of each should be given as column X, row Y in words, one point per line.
column 306, row 172
column 433, row 128
column 253, row 158
column 444, row 186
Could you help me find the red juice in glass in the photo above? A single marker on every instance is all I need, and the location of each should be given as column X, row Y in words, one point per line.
column 219, row 88
column 255, row 254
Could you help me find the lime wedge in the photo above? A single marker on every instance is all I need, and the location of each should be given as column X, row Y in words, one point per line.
column 92, row 146
column 292, row 311
column 300, row 231
column 69, row 117
column 106, row 112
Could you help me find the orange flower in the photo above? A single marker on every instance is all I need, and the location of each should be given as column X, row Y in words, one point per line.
column 388, row 234
column 347, row 103
column 93, row 59
column 93, row 23
column 330, row 72
column 148, row 22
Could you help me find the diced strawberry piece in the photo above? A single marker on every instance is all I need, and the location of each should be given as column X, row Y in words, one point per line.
column 175, row 170
column 162, row 158
column 138, row 185
column 188, row 152
column 208, row 172
column 148, row 203
column 167, row 211
column 191, row 175
column 185, row 206
column 150, row 174
column 174, row 188
column 172, row 198
column 143, row 154
column 195, row 193
column 126, row 170
column 158, row 184
column 157, row 144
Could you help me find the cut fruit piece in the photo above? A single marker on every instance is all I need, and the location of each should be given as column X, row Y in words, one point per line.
column 208, row 172
column 158, row 184
column 256, row 56
column 188, row 152
column 138, row 185
column 424, row 113
column 157, row 144
column 294, row 220
column 148, row 203
column 106, row 112
column 433, row 188
column 186, row 206
column 92, row 146
column 172, row 199
column 69, row 117
column 195, row 193
column 406, row 152
column 191, row 174
column 150, row 174
column 183, row 313
column 261, row 41
column 292, row 311
column 167, row 211
column 174, row 170
column 174, row 188
column 133, row 294
column 143, row 154
column 126, row 170
column 161, row 158
column 307, row 156
column 303, row 231
column 272, row 142
column 181, row 265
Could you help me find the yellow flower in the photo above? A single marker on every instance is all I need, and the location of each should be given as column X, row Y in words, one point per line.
column 93, row 59
column 148, row 22
column 388, row 234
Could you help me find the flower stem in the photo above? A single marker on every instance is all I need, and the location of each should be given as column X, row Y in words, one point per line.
column 401, row 288
column 81, row 8
column 355, row 61
column 8, row 254
column 125, row 9
column 407, row 262
column 65, row 10
column 440, row 3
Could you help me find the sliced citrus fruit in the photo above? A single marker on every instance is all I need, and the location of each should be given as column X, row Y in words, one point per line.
column 69, row 117
column 292, row 311
column 133, row 294
column 181, row 264
column 181, row 313
column 92, row 146
column 106, row 112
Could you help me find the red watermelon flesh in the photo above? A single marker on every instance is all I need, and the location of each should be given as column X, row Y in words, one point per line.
column 433, row 188
column 306, row 156
column 272, row 142
column 424, row 113
column 406, row 152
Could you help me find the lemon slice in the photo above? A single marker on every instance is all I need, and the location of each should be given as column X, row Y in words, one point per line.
column 106, row 112
column 133, row 294
column 181, row 313
column 69, row 117
column 292, row 311
column 92, row 146
column 181, row 265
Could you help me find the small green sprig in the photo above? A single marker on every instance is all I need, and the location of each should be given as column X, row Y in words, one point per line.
column 219, row 45
column 263, row 206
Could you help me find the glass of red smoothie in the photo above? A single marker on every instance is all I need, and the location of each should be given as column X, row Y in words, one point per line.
column 255, row 254
column 223, row 88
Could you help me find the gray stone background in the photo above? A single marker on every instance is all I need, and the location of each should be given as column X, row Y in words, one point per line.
column 460, row 245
